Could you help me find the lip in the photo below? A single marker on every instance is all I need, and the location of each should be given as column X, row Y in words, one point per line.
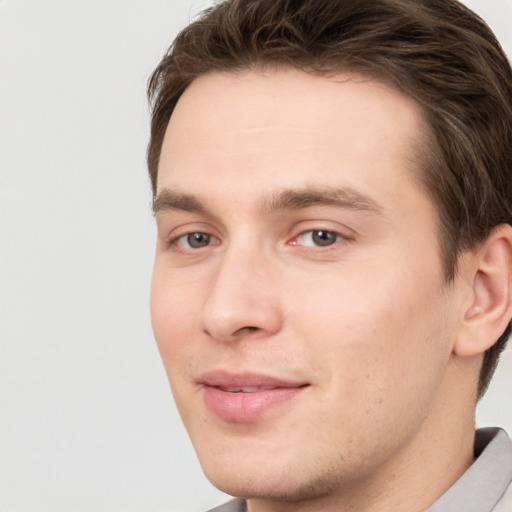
column 246, row 397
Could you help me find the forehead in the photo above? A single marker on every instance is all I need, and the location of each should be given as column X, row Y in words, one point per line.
column 285, row 128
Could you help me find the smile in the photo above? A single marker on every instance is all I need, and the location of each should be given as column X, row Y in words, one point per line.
column 246, row 397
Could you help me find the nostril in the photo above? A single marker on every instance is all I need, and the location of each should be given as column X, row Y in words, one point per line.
column 247, row 329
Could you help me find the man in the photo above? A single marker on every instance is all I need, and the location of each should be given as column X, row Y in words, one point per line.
column 332, row 282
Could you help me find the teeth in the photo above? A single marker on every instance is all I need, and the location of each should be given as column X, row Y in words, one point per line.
column 240, row 390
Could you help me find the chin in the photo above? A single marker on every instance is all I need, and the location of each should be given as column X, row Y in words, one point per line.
column 243, row 474
column 273, row 479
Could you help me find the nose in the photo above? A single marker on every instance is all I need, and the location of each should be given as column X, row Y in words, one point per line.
column 241, row 301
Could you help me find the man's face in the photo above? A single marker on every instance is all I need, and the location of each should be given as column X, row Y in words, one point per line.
column 298, row 298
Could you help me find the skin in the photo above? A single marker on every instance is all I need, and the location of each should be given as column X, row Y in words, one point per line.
column 368, row 322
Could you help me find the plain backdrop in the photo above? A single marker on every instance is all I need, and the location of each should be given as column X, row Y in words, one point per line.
column 87, row 421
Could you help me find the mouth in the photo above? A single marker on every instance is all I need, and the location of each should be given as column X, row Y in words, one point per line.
column 247, row 397
column 248, row 389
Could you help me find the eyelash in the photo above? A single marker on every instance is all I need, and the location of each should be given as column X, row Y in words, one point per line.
column 330, row 236
column 175, row 242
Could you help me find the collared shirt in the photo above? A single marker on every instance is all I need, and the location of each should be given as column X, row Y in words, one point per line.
column 484, row 487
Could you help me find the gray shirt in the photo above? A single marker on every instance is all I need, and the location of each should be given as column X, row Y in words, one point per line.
column 484, row 487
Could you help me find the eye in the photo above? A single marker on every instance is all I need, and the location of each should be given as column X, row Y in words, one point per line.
column 195, row 240
column 318, row 238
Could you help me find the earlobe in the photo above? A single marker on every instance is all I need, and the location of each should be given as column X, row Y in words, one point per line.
column 487, row 317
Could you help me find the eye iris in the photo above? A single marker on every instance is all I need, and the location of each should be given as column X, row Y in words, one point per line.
column 197, row 240
column 323, row 238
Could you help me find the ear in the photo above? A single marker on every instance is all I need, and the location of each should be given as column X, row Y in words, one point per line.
column 487, row 317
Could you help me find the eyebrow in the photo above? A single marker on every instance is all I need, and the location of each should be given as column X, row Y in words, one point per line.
column 288, row 199
column 168, row 200
column 345, row 197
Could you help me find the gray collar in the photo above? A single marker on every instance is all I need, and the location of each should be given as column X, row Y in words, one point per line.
column 482, row 486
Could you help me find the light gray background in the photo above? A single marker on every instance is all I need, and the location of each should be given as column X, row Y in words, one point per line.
column 87, row 421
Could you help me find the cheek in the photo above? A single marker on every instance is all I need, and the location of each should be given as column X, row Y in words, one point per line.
column 173, row 323
column 375, row 330
column 379, row 357
column 172, row 319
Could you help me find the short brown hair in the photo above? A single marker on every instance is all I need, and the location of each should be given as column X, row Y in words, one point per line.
column 437, row 51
